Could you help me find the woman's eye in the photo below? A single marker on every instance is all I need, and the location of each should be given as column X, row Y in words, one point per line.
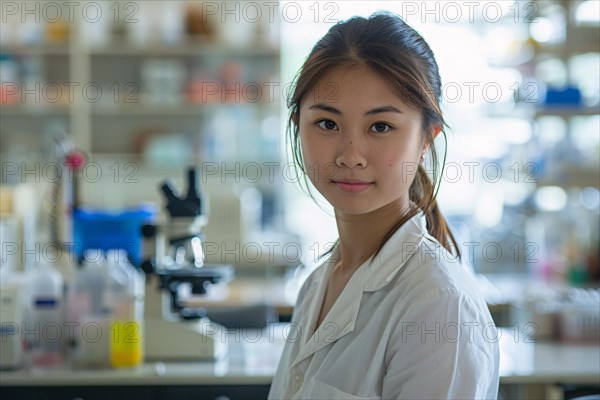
column 381, row 127
column 327, row 124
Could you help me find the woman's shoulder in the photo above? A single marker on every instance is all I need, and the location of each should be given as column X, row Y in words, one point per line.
column 434, row 272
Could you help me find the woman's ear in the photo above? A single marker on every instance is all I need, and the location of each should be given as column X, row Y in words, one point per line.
column 435, row 131
column 295, row 117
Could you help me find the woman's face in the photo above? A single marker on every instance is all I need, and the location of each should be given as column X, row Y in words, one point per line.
column 360, row 142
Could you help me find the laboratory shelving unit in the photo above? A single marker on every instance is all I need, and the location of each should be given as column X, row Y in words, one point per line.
column 578, row 39
column 80, row 61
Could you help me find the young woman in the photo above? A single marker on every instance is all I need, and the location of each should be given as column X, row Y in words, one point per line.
column 391, row 314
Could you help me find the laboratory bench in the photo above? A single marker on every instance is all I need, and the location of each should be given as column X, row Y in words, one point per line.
column 531, row 369
column 245, row 373
column 528, row 370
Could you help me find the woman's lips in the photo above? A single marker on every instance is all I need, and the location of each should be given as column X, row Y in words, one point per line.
column 353, row 186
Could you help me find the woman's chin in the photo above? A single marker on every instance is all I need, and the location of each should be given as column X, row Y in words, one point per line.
column 353, row 209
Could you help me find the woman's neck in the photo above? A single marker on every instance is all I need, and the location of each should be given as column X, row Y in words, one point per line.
column 361, row 235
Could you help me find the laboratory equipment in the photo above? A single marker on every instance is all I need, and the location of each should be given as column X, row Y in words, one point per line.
column 46, row 317
column 176, row 270
column 125, row 299
column 88, row 312
column 11, row 319
column 107, row 229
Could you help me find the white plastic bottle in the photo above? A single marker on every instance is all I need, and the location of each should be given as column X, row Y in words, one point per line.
column 44, row 332
column 11, row 320
column 88, row 313
column 125, row 297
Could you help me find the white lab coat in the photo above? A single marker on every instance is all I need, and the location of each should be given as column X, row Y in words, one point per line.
column 413, row 325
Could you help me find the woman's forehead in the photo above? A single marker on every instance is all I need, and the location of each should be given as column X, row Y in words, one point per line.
column 354, row 85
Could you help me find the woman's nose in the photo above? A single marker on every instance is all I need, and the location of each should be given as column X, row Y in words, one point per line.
column 351, row 154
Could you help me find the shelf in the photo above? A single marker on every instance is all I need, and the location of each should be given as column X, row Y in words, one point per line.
column 144, row 111
column 548, row 51
column 566, row 111
column 147, row 167
column 143, row 165
column 187, row 48
column 49, row 49
column 38, row 110
column 170, row 110
column 573, row 176
column 550, row 110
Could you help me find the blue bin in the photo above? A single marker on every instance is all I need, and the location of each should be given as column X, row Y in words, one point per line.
column 105, row 230
column 569, row 96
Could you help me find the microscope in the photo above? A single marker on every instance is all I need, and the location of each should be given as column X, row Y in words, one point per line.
column 174, row 332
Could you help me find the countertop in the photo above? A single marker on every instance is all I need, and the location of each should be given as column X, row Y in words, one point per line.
column 522, row 360
column 252, row 360
column 254, row 355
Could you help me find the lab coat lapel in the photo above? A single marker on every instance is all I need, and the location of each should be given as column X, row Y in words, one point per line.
column 338, row 322
column 368, row 277
column 311, row 303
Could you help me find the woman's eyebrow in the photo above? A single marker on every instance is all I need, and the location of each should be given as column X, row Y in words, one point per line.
column 333, row 110
column 325, row 107
column 383, row 109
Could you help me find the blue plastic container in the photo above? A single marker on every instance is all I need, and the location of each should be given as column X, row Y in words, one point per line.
column 569, row 96
column 105, row 230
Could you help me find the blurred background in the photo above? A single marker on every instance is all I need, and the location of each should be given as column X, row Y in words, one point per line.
column 101, row 102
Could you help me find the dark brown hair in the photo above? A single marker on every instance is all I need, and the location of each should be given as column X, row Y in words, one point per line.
column 391, row 48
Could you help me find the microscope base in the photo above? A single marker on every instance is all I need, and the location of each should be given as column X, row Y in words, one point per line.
column 198, row 340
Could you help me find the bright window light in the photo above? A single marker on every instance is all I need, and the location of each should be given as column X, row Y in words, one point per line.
column 543, row 31
column 488, row 213
column 551, row 129
column 588, row 13
column 550, row 198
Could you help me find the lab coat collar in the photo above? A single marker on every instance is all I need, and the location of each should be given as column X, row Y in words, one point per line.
column 396, row 252
column 367, row 278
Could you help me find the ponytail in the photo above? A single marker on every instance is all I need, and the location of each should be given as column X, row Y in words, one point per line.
column 436, row 223
column 421, row 193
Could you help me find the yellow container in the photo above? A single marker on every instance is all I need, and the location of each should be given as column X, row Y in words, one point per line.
column 126, row 345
